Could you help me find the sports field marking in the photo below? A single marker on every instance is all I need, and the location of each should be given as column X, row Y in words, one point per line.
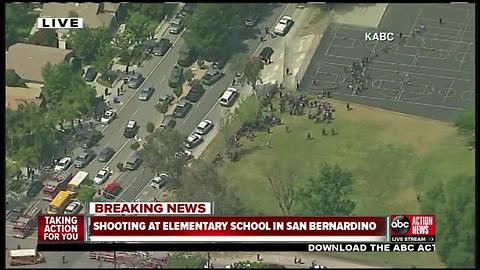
column 402, row 101
column 409, row 65
column 448, row 91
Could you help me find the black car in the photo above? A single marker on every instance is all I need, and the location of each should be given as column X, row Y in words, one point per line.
column 90, row 139
column 220, row 63
column 131, row 129
column 212, row 76
column 266, row 54
column 187, row 56
column 169, row 121
column 162, row 47
column 196, row 92
column 106, row 154
column 34, row 189
column 150, row 46
column 90, row 75
column 182, row 109
column 166, row 100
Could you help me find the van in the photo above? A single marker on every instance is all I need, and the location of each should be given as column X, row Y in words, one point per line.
column 228, row 97
column 133, row 162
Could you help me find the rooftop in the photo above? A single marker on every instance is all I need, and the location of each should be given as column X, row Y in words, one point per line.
column 15, row 96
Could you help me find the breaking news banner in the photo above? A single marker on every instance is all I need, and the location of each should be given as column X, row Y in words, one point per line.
column 150, row 208
column 411, row 228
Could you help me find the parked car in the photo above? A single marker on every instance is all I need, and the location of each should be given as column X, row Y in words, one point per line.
column 146, row 93
column 204, row 127
column 159, row 180
column 283, row 26
column 150, row 45
column 182, row 109
column 135, row 80
column 212, row 76
column 176, row 25
column 220, row 63
column 193, row 141
column 186, row 155
column 130, row 129
column 102, row 176
column 73, row 208
column 251, row 20
column 266, row 54
column 162, row 47
column 90, row 75
column 187, row 56
column 34, row 189
column 107, row 117
column 168, row 121
column 196, row 92
column 106, row 154
column 83, row 159
column 166, row 100
column 133, row 162
column 228, row 97
column 176, row 76
column 63, row 164
column 90, row 139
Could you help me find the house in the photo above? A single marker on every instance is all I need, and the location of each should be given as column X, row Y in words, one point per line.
column 28, row 60
column 94, row 15
column 16, row 96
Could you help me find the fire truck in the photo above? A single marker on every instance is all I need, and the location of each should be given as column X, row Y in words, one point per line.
column 26, row 223
column 132, row 259
column 53, row 187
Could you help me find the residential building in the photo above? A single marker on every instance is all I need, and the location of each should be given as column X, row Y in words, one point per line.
column 16, row 96
column 28, row 60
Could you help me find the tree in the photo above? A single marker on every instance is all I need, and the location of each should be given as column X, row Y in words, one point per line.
column 103, row 59
column 465, row 122
column 201, row 182
column 18, row 22
column 44, row 37
column 134, row 146
column 252, row 70
column 150, row 127
column 162, row 107
column 87, row 42
column 13, row 79
column 159, row 153
column 282, row 188
column 208, row 29
column 178, row 91
column 326, row 194
column 454, row 202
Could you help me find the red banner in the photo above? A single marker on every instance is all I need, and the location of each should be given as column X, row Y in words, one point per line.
column 61, row 228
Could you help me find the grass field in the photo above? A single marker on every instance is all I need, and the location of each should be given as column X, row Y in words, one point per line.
column 393, row 158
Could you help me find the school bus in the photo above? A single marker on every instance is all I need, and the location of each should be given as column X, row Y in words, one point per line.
column 57, row 206
column 74, row 184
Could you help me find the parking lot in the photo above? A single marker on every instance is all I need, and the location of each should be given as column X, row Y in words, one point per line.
column 428, row 73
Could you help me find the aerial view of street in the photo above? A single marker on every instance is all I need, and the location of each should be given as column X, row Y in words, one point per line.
column 265, row 109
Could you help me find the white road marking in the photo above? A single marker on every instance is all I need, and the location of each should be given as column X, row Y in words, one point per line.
column 135, row 112
column 118, row 151
column 131, row 183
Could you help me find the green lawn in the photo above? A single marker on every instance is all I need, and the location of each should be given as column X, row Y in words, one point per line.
column 393, row 158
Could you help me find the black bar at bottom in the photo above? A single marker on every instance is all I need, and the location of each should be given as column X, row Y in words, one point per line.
column 314, row 247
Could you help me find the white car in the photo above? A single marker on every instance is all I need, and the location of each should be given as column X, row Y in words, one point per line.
column 73, row 208
column 228, row 97
column 63, row 164
column 107, row 117
column 159, row 180
column 204, row 127
column 193, row 141
column 283, row 26
column 102, row 176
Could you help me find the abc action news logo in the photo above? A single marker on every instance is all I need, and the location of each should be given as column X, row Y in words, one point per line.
column 412, row 228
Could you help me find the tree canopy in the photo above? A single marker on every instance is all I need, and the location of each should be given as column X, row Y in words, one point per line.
column 87, row 42
column 453, row 202
column 44, row 37
column 327, row 193
column 13, row 79
column 19, row 20
column 186, row 261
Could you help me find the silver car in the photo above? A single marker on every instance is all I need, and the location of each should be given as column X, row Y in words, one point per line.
column 135, row 80
column 176, row 26
column 146, row 93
